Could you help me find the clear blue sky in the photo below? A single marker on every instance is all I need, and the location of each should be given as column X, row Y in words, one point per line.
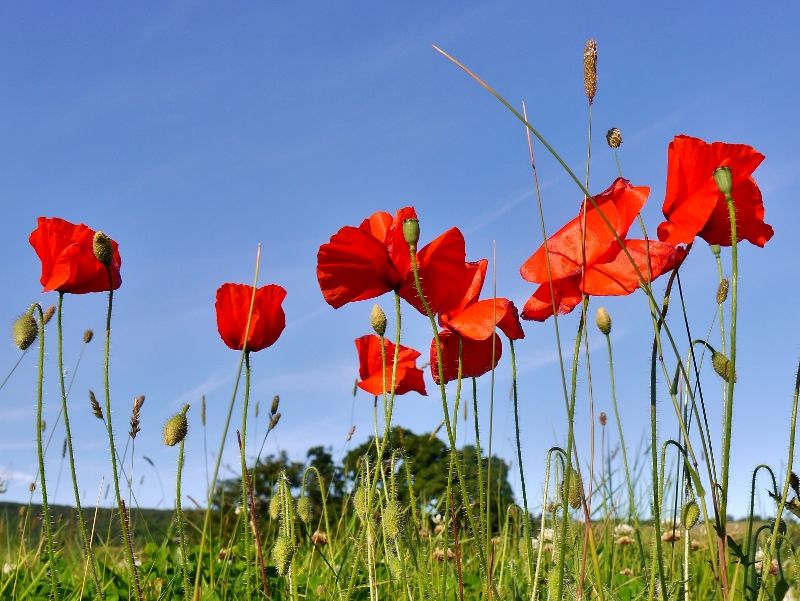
column 190, row 132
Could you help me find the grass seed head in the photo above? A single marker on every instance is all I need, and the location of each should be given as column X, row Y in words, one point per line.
column 392, row 519
column 794, row 482
column 135, row 416
column 614, row 137
column 275, row 506
column 25, row 330
column 603, row 320
column 590, row 69
column 722, row 291
column 96, row 409
column 378, row 320
column 603, row 418
column 360, row 502
column 87, row 336
column 276, row 400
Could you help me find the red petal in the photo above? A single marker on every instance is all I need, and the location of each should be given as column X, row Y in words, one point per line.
column 408, row 378
column 620, row 204
column 476, row 356
column 618, row 277
column 750, row 224
column 567, row 295
column 478, row 321
column 266, row 323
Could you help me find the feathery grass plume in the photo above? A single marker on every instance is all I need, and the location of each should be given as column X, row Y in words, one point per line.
column 722, row 365
column 722, row 291
column 274, row 421
column 175, row 429
column 96, row 408
column 392, row 519
column 603, row 320
column 48, row 315
column 614, row 137
column 304, row 509
column 102, row 248
column 25, row 330
column 378, row 320
column 411, row 231
column 276, row 401
column 275, row 505
column 87, row 336
column 135, row 416
column 590, row 69
column 282, row 553
column 603, row 418
column 690, row 514
column 319, row 538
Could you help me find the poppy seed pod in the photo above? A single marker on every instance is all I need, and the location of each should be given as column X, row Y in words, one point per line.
column 87, row 336
column 102, row 247
column 690, row 514
column 25, row 330
column 603, row 320
column 722, row 365
column 176, row 428
column 378, row 320
column 590, row 69
column 614, row 137
column 304, row 509
column 724, row 180
column 411, row 231
column 722, row 291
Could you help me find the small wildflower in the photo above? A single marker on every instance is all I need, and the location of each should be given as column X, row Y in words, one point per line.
column 103, row 250
column 96, row 409
column 624, row 541
column 378, row 320
column 614, row 137
column 623, row 530
column 671, row 535
column 626, row 572
column 87, row 336
column 25, row 330
column 603, row 320
column 438, row 554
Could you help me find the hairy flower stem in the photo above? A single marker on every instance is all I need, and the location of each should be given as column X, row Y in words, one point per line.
column 749, row 547
column 179, row 515
column 126, row 536
column 244, row 508
column 658, row 558
column 207, row 518
column 482, row 526
column 448, row 426
column 526, row 522
column 51, row 556
column 87, row 547
column 632, row 510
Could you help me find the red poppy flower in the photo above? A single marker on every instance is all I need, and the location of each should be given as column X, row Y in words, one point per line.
column 693, row 204
column 608, row 270
column 266, row 323
column 364, row 262
column 409, row 377
column 68, row 261
column 474, row 321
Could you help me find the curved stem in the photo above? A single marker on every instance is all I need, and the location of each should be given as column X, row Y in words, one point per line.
column 87, row 547
column 181, row 534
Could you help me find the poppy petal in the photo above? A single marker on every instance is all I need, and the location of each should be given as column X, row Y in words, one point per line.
column 566, row 293
column 478, row 321
column 266, row 323
column 476, row 356
column 618, row 277
column 408, row 377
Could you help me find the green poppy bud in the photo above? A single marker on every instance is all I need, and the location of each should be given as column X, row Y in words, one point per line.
column 304, row 509
column 603, row 320
column 723, row 179
column 103, row 250
column 282, row 554
column 176, row 428
column 378, row 320
column 690, row 514
column 25, row 330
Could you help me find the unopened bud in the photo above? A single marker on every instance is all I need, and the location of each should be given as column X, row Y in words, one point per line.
column 722, row 291
column 103, row 250
column 690, row 514
column 722, row 365
column 603, row 320
column 304, row 509
column 590, row 69
column 614, row 137
column 603, row 418
column 275, row 506
column 282, row 554
column 176, row 428
column 392, row 518
column 411, row 231
column 25, row 330
column 724, row 180
column 378, row 320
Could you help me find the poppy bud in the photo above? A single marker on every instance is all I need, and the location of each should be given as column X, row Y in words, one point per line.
column 304, row 509
column 590, row 69
column 87, row 336
column 275, row 402
column 48, row 315
column 603, row 418
column 25, row 330
column 176, row 428
column 392, row 519
column 722, row 291
column 614, row 137
column 723, row 179
column 690, row 514
column 103, row 250
column 722, row 365
column 603, row 320
column 411, row 231
column 378, row 320
column 275, row 506
column 715, row 249
column 282, row 553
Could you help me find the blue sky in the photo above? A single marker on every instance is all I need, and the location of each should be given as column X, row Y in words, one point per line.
column 190, row 132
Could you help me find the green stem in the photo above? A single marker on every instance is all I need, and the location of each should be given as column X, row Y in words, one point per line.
column 181, row 534
column 51, row 556
column 87, row 547
column 126, row 535
column 526, row 518
column 658, row 558
column 242, row 446
column 479, row 454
